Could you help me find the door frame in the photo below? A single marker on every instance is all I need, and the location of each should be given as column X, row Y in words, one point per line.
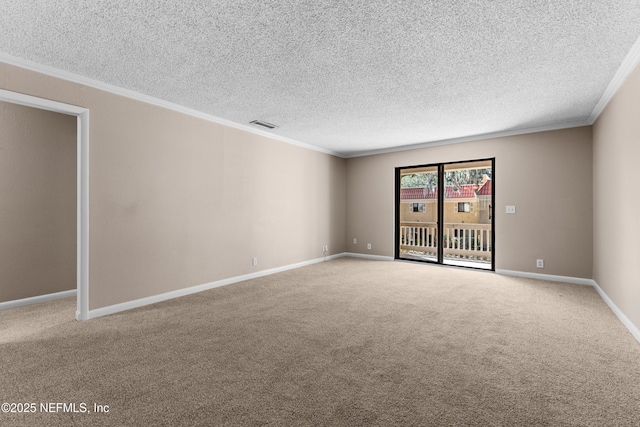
column 441, row 185
column 82, row 191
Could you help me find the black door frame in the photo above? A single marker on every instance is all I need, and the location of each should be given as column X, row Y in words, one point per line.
column 441, row 193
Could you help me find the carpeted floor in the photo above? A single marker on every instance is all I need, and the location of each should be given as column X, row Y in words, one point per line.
column 345, row 342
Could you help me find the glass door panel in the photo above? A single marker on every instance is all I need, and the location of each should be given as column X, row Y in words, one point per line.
column 418, row 213
column 467, row 215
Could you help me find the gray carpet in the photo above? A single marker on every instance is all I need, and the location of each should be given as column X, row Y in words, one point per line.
column 345, row 342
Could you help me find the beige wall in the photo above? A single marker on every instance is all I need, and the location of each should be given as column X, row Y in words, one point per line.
column 616, row 207
column 546, row 175
column 37, row 202
column 176, row 201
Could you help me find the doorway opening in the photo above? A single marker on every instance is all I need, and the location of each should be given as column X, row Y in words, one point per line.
column 444, row 213
column 82, row 192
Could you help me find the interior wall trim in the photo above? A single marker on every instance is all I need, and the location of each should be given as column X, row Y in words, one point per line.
column 550, row 277
column 96, row 84
column 621, row 316
column 472, row 138
column 627, row 66
column 37, row 299
column 117, row 308
column 580, row 281
column 368, row 256
column 82, row 182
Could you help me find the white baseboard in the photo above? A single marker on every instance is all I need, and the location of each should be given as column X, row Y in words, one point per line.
column 580, row 281
column 200, row 288
column 367, row 256
column 117, row 308
column 35, row 300
column 624, row 319
column 550, row 277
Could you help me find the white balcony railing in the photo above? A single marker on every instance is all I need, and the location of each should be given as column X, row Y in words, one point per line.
column 459, row 240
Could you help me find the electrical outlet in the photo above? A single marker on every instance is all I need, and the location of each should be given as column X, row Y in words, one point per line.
column 254, row 262
column 355, row 241
column 511, row 209
column 325, row 248
column 369, row 246
column 540, row 263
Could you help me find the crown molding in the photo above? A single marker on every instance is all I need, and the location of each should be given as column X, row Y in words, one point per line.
column 471, row 138
column 631, row 60
column 96, row 84
column 627, row 66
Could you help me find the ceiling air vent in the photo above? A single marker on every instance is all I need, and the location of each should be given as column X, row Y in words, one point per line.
column 263, row 124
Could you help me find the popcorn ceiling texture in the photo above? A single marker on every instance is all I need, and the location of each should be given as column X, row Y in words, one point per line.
column 345, row 76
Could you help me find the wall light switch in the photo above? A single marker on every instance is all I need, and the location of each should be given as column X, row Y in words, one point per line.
column 511, row 209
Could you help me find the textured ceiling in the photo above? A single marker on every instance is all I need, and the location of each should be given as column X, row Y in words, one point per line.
column 346, row 76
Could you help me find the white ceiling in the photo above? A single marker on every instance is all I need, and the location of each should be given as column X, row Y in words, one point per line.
column 349, row 77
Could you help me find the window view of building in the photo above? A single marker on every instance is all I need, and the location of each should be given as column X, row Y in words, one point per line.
column 467, row 212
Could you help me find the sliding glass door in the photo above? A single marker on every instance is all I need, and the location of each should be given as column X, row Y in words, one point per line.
column 444, row 213
column 468, row 216
column 418, row 212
